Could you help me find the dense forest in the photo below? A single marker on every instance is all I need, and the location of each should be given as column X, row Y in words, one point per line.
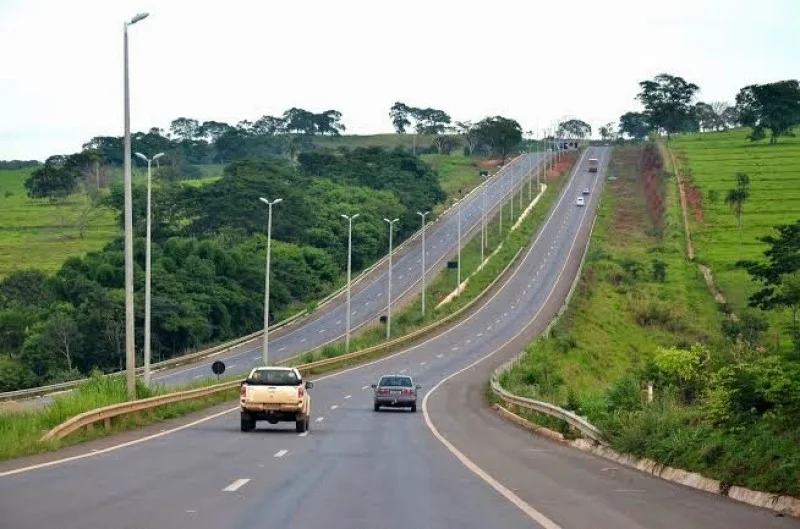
column 208, row 258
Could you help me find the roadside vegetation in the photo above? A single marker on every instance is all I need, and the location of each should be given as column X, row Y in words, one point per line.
column 62, row 321
column 21, row 428
column 719, row 198
column 726, row 401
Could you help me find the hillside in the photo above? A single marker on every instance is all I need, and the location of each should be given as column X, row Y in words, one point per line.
column 40, row 234
column 711, row 162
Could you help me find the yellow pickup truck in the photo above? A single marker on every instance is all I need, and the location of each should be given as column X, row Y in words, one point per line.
column 275, row 394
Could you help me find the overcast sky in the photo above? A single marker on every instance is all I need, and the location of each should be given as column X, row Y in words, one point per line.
column 534, row 61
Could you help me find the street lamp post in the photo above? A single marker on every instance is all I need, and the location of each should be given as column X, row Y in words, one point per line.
column 265, row 346
column 130, row 338
column 389, row 288
column 349, row 272
column 483, row 220
column 423, row 259
column 148, row 253
column 458, row 284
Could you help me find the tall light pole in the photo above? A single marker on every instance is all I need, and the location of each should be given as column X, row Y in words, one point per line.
column 483, row 219
column 389, row 287
column 423, row 259
column 148, row 253
column 130, row 338
column 349, row 272
column 458, row 285
column 265, row 346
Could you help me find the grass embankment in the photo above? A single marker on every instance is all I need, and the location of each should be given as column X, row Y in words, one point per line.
column 710, row 161
column 20, row 431
column 621, row 329
column 42, row 234
column 409, row 318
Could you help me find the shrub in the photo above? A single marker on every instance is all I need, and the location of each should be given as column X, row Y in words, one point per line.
column 625, row 394
column 686, row 370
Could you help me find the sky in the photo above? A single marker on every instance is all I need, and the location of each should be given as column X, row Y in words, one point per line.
column 531, row 60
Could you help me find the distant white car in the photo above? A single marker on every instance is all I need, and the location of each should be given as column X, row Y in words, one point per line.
column 585, row 190
column 579, row 201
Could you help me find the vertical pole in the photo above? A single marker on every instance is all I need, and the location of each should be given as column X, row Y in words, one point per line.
column 147, row 290
column 265, row 351
column 458, row 285
column 483, row 222
column 349, row 271
column 130, row 354
column 389, row 294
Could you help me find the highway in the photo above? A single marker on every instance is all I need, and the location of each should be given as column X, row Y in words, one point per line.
column 369, row 297
column 454, row 464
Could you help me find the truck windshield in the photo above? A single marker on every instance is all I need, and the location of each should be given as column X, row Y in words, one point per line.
column 267, row 377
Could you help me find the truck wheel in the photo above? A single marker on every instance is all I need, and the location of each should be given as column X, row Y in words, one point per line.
column 247, row 424
column 301, row 425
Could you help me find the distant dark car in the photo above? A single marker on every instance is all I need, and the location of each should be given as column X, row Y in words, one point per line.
column 585, row 190
column 395, row 391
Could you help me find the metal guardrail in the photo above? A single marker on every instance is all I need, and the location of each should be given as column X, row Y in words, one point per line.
column 166, row 364
column 106, row 413
column 180, row 360
column 580, row 423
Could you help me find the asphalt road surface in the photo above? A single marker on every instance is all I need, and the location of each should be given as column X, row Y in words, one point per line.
column 451, row 465
column 368, row 300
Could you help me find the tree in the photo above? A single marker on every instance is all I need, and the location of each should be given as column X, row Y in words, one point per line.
column 706, row 117
column 213, row 130
column 469, row 135
column 86, row 211
column 500, row 134
column 780, row 274
column 399, row 114
column 730, row 117
column 635, row 125
column 574, row 128
column 329, row 122
column 299, row 121
column 607, row 131
column 268, row 126
column 185, row 128
column 722, row 112
column 430, row 120
column 667, row 102
column 445, row 143
column 738, row 196
column 774, row 106
column 51, row 181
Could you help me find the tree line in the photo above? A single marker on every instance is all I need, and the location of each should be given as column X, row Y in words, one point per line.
column 670, row 108
column 208, row 260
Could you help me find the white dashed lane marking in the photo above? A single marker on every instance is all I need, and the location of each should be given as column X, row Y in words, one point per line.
column 281, row 453
column 333, row 407
column 319, row 419
column 348, row 396
column 236, row 485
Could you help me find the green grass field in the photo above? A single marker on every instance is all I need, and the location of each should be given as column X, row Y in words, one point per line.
column 41, row 234
column 600, row 337
column 712, row 160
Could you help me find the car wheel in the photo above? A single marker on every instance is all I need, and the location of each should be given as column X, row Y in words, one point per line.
column 376, row 407
column 247, row 424
column 414, row 408
column 301, row 425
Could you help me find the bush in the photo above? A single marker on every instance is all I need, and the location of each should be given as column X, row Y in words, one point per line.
column 625, row 394
column 685, row 370
column 659, row 270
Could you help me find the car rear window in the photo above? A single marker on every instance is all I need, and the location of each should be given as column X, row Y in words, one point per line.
column 404, row 382
column 270, row 377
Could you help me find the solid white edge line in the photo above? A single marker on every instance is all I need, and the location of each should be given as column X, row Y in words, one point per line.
column 236, row 485
column 475, row 469
column 336, row 374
